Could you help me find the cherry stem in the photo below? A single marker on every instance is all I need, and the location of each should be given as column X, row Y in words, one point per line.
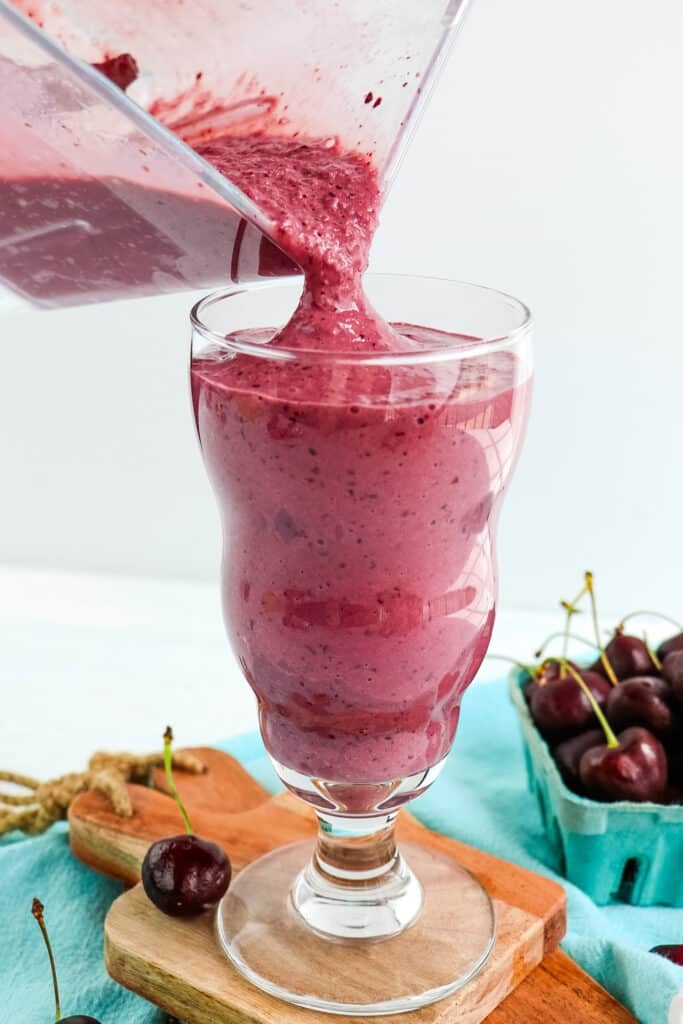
column 530, row 670
column 653, row 657
column 654, row 615
column 612, row 740
column 611, row 675
column 570, row 636
column 571, row 610
column 168, row 765
column 37, row 909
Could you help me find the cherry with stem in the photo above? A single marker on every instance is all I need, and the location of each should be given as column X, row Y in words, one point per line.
column 612, row 741
column 38, row 911
column 558, row 706
column 633, row 766
column 184, row 875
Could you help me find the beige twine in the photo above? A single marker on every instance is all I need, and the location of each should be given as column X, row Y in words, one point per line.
column 48, row 802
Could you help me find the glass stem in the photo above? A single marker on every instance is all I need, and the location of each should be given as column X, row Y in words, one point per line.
column 354, row 853
column 357, row 885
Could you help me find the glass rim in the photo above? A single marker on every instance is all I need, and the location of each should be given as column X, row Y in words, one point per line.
column 477, row 347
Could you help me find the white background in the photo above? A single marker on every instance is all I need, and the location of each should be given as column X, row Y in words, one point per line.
column 549, row 164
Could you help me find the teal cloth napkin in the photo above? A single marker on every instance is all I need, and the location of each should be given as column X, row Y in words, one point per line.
column 480, row 798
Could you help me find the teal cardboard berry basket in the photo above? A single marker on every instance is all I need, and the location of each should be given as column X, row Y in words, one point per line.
column 621, row 851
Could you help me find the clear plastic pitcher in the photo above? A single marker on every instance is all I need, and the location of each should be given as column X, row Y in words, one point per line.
column 101, row 193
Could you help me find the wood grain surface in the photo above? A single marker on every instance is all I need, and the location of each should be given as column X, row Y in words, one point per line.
column 178, row 964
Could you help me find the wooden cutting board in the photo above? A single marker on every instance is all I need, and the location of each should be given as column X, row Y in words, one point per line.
column 179, row 966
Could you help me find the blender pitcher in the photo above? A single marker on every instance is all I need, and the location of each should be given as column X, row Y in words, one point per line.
column 101, row 193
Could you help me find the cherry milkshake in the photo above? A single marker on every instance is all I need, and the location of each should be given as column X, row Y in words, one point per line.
column 358, row 483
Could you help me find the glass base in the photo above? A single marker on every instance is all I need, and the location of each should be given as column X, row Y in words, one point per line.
column 288, row 953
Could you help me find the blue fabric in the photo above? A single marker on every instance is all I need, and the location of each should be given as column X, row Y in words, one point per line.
column 76, row 900
column 480, row 798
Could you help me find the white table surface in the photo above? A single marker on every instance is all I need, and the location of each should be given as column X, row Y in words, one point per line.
column 103, row 662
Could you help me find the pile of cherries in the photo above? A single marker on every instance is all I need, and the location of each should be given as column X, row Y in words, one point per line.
column 615, row 729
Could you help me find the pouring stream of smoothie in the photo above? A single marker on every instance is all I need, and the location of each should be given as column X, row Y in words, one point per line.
column 324, row 204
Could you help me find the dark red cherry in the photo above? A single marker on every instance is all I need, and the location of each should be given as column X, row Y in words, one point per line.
column 674, row 643
column 568, row 754
column 554, row 669
column 673, row 953
column 628, row 656
column 642, row 700
column 185, row 875
column 78, row 1019
column 635, row 770
column 560, row 708
column 672, row 671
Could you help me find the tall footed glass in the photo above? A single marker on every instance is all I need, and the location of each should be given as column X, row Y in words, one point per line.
column 359, row 494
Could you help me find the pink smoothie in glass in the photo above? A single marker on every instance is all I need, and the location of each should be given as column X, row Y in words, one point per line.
column 358, row 501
